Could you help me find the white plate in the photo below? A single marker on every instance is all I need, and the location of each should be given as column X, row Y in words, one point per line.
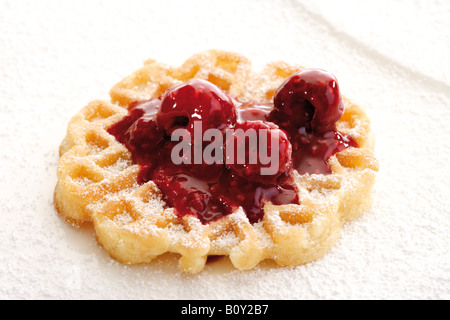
column 56, row 57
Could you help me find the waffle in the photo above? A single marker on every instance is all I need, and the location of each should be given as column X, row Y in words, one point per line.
column 97, row 179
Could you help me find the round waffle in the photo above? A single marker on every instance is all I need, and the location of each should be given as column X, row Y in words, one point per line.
column 97, row 179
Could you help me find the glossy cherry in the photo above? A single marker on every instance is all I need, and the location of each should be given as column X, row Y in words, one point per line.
column 257, row 150
column 309, row 98
column 196, row 100
column 138, row 132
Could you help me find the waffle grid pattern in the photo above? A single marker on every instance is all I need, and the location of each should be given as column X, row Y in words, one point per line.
column 97, row 180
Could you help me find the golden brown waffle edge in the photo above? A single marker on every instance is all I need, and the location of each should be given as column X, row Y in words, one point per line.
column 97, row 180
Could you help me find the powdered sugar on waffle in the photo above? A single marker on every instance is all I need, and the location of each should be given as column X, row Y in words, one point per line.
column 399, row 250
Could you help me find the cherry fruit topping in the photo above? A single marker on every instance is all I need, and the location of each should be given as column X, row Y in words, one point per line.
column 309, row 98
column 297, row 132
column 196, row 100
column 258, row 150
column 138, row 132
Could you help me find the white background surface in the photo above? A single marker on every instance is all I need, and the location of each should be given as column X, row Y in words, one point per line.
column 390, row 56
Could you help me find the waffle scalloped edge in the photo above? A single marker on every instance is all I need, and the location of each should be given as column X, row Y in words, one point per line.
column 97, row 180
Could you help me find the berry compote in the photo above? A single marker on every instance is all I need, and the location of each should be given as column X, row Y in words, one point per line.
column 302, row 124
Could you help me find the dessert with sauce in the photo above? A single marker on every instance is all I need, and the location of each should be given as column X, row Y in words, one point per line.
column 215, row 159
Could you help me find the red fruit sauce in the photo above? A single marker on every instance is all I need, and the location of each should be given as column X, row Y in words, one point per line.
column 210, row 192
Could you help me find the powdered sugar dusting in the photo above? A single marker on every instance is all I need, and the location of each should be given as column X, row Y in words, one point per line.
column 60, row 56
